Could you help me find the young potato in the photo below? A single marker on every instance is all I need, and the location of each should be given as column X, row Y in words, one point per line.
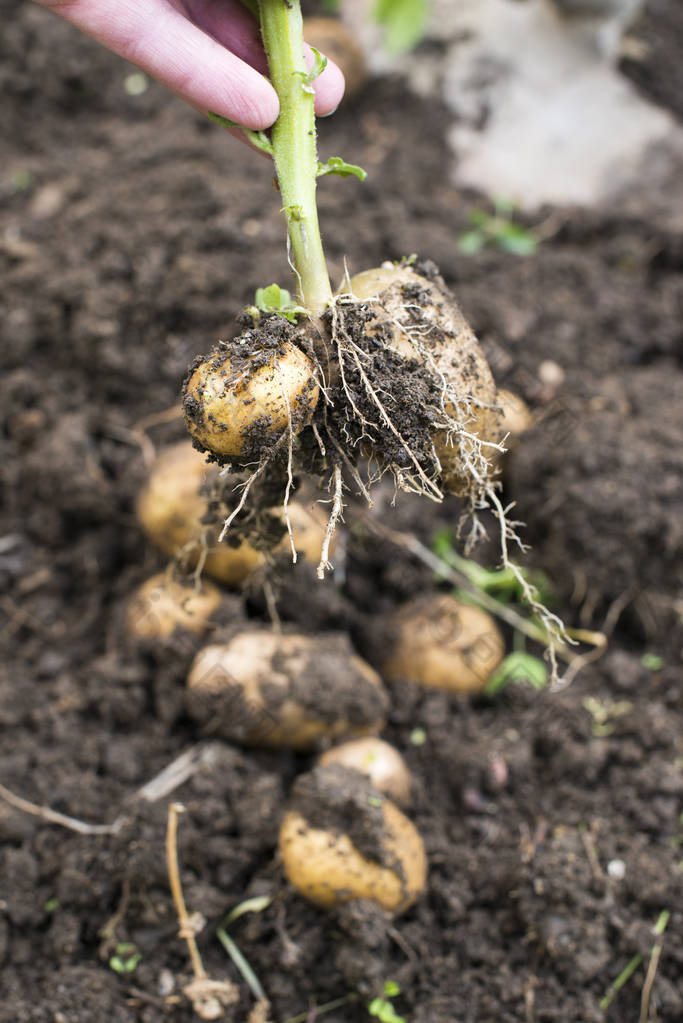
column 342, row 840
column 162, row 604
column 331, row 37
column 264, row 689
column 378, row 761
column 425, row 323
column 239, row 400
column 171, row 507
column 515, row 417
column 439, row 642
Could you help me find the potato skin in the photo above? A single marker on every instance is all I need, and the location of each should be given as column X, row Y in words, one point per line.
column 161, row 605
column 344, row 841
column 514, row 417
column 237, row 405
column 294, row 691
column 171, row 506
column 441, row 643
column 377, row 760
column 452, row 347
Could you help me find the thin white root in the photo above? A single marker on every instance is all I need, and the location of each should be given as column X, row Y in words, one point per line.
column 337, row 508
column 554, row 626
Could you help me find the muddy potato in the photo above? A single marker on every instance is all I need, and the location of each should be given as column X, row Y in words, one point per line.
column 237, row 403
column 170, row 510
column 264, row 689
column 441, row 643
column 171, row 506
column 342, row 840
column 162, row 604
column 378, row 761
column 448, row 346
column 333, row 39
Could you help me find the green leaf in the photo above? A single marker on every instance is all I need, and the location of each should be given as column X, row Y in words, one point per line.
column 517, row 240
column 471, row 242
column 653, row 662
column 335, row 165
column 404, row 22
column 391, row 989
column 319, row 65
column 259, row 139
column 126, row 958
column 517, row 668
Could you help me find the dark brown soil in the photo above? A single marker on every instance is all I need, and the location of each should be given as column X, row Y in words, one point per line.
column 132, row 233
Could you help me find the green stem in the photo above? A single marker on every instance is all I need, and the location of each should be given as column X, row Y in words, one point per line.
column 294, row 147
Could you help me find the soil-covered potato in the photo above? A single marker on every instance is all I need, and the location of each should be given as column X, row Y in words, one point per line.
column 241, row 399
column 422, row 321
column 333, row 39
column 265, row 689
column 342, row 840
column 172, row 506
column 439, row 642
column 377, row 760
column 162, row 604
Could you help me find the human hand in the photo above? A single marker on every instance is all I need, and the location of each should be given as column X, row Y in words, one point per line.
column 208, row 52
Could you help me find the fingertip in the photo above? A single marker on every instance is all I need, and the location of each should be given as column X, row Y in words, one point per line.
column 329, row 89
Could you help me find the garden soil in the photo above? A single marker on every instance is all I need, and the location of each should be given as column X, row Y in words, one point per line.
column 132, row 232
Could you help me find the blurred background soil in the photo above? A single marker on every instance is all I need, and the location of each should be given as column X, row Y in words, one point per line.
column 132, row 231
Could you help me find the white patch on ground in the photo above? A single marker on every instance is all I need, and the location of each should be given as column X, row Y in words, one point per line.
column 541, row 115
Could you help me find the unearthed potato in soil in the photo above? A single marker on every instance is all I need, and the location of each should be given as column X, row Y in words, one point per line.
column 380, row 762
column 342, row 840
column 248, row 393
column 333, row 39
column 162, row 604
column 422, row 321
column 514, row 417
column 265, row 689
column 172, row 505
column 441, row 643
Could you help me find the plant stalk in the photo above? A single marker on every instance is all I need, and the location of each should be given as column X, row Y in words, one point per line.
column 294, row 148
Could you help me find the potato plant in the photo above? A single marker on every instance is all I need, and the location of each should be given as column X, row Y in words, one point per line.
column 382, row 375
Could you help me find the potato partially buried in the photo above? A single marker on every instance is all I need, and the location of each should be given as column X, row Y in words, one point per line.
column 439, row 642
column 378, row 761
column 341, row 839
column 162, row 605
column 173, row 504
column 265, row 689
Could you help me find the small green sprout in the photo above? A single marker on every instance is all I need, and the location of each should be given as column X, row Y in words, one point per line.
column 653, row 662
column 51, row 904
column 375, row 801
column 418, row 737
column 21, row 179
column 125, row 959
column 603, row 712
column 275, row 299
column 518, row 668
column 497, row 230
column 382, row 1009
